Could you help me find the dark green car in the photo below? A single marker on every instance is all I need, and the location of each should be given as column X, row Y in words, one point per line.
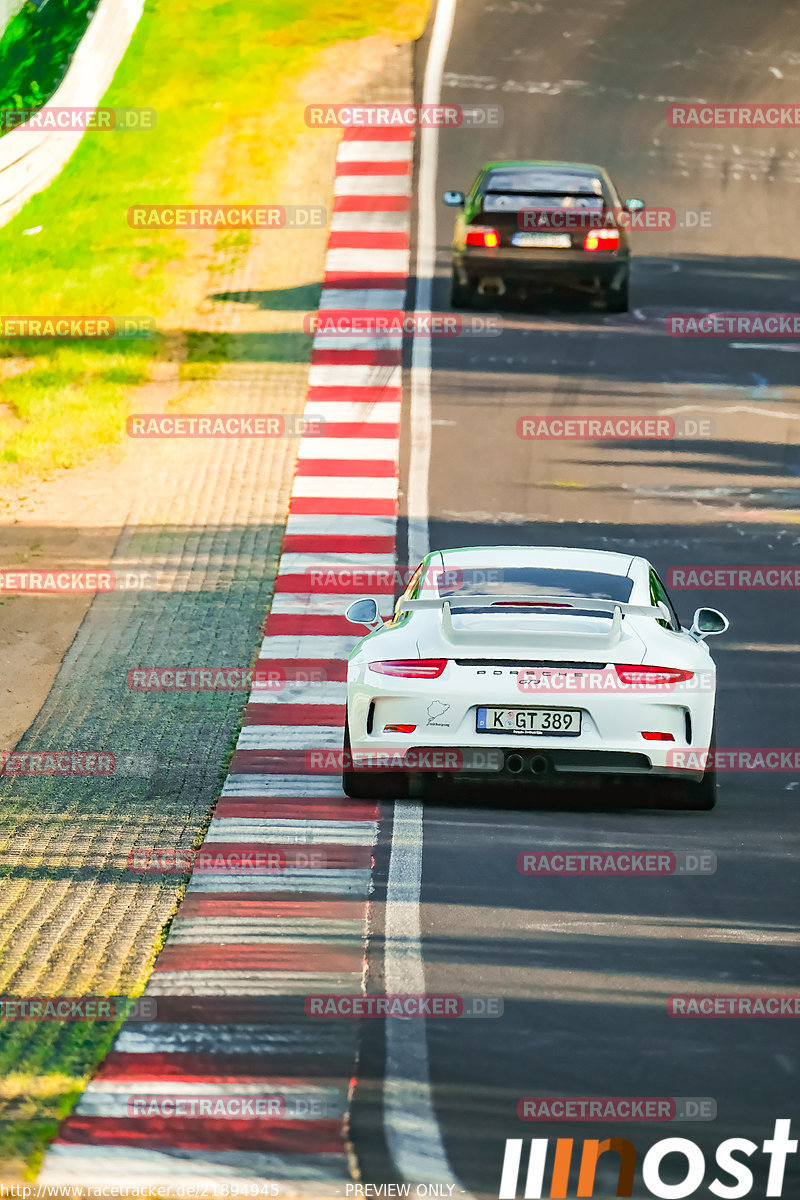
column 532, row 227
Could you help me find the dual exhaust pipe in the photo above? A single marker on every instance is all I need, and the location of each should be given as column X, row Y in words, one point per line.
column 538, row 764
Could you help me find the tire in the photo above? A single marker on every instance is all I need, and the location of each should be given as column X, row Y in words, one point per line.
column 461, row 295
column 700, row 795
column 370, row 785
column 617, row 298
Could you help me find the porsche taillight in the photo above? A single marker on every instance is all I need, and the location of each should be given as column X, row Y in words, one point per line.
column 650, row 676
column 410, row 668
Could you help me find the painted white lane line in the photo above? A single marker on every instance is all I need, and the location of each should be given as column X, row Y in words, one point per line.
column 340, row 525
column 356, row 411
column 353, row 375
column 269, row 982
column 288, row 832
column 343, row 487
column 363, row 151
column 236, row 930
column 411, row 1128
column 352, row 448
column 329, row 604
column 86, row 1166
column 290, row 737
column 338, row 881
column 294, row 562
column 123, row 1106
column 369, row 222
column 372, row 260
column 308, row 787
column 333, row 297
column 179, row 1037
column 307, row 645
column 372, row 185
column 113, row 1089
column 357, row 341
column 787, row 349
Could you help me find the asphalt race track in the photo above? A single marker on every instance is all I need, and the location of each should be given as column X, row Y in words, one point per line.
column 585, row 965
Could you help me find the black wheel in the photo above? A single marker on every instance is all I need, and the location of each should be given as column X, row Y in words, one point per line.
column 702, row 796
column 696, row 795
column 370, row 785
column 461, row 295
column 617, row 297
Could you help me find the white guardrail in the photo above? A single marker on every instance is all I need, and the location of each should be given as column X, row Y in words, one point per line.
column 30, row 159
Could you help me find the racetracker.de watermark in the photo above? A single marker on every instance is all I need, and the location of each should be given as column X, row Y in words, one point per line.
column 417, row 759
column 404, row 116
column 332, row 322
column 57, row 762
column 221, row 860
column 23, row 581
column 616, row 1108
column 612, row 428
column 389, row 579
column 624, row 679
column 245, row 1106
column 224, row 425
column 744, row 759
column 733, row 324
column 76, row 328
column 645, row 220
column 420, row 1006
column 189, row 679
column 733, row 116
column 616, row 862
column 227, row 216
column 81, row 120
column 734, row 579
column 76, row 1008
column 769, row 1004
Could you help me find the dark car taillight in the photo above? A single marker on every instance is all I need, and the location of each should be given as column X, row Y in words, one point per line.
column 601, row 239
column 482, row 235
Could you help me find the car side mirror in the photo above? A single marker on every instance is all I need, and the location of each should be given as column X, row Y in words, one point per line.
column 365, row 612
column 707, row 621
column 454, row 199
column 634, row 205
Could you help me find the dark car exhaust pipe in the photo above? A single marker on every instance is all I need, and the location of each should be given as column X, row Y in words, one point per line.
column 539, row 764
column 515, row 764
column 492, row 285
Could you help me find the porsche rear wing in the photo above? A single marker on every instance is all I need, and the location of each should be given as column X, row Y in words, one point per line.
column 572, row 606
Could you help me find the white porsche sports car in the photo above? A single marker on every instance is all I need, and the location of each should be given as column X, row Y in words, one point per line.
column 534, row 665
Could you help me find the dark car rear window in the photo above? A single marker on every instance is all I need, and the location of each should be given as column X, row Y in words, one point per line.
column 530, row 582
column 544, row 182
column 518, row 201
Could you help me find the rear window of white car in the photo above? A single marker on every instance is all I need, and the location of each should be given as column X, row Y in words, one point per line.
column 530, row 582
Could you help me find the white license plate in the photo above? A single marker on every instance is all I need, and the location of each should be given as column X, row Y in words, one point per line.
column 547, row 241
column 556, row 721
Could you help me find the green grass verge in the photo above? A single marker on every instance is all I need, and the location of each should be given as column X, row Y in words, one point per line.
column 205, row 67
column 36, row 48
